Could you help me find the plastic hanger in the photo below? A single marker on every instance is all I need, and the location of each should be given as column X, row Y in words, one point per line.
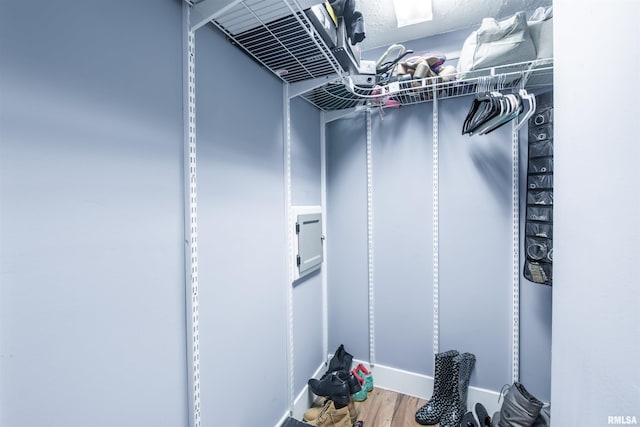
column 531, row 99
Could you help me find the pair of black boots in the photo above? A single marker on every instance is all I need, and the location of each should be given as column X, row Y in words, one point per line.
column 338, row 383
column 448, row 403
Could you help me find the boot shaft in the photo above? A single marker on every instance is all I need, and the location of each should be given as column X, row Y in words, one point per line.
column 443, row 371
column 466, row 363
column 457, row 405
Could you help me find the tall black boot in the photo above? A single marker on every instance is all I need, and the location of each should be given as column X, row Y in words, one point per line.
column 462, row 365
column 443, row 383
column 519, row 408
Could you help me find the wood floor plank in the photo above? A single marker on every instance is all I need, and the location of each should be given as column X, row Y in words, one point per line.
column 377, row 410
column 386, row 408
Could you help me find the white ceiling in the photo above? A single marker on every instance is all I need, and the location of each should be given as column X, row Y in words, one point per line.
column 448, row 15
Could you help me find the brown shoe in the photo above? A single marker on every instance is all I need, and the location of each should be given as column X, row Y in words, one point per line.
column 332, row 417
column 313, row 413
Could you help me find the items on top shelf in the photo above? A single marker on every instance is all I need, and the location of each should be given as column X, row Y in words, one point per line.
column 335, row 95
column 298, row 41
column 511, row 40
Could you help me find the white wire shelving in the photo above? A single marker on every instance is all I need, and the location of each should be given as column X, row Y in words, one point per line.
column 279, row 35
column 337, row 95
column 275, row 33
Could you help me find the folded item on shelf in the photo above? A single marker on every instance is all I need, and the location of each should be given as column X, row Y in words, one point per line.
column 541, row 29
column 498, row 43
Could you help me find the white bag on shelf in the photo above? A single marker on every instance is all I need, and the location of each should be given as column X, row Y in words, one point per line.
column 498, row 43
column 541, row 29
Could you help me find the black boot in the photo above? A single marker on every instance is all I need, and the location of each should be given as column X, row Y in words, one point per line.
column 462, row 365
column 341, row 361
column 352, row 381
column 443, row 383
column 334, row 386
column 519, row 408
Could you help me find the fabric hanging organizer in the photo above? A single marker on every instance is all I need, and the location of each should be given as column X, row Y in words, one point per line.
column 539, row 199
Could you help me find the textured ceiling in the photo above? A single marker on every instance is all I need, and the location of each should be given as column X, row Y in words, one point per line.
column 448, row 15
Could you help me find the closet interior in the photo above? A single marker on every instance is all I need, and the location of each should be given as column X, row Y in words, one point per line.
column 376, row 107
column 210, row 210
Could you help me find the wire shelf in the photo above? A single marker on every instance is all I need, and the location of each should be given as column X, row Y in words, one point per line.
column 530, row 75
column 279, row 35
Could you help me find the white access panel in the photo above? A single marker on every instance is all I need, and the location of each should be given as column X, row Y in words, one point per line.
column 308, row 241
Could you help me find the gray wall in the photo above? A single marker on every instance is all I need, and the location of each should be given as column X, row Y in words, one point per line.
column 403, row 238
column 91, row 218
column 241, row 235
column 307, row 294
column 347, row 236
column 596, row 321
column 475, row 246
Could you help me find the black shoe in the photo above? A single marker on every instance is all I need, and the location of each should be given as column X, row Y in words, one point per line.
column 332, row 386
column 468, row 420
column 483, row 417
column 352, row 381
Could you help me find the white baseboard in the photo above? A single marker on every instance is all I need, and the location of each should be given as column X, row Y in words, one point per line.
column 304, row 400
column 282, row 420
column 399, row 380
column 421, row 386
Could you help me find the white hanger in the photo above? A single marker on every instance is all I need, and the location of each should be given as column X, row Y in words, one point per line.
column 531, row 99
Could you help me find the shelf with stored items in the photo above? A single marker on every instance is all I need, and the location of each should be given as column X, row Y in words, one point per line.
column 343, row 93
column 284, row 37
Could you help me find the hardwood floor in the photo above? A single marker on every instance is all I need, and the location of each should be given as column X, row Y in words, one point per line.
column 386, row 408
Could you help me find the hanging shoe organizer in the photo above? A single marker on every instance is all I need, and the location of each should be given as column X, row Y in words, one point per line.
column 539, row 217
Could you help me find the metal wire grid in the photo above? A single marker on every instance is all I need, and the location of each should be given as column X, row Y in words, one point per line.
column 279, row 36
column 337, row 96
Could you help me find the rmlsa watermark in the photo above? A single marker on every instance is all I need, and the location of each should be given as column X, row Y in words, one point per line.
column 622, row 419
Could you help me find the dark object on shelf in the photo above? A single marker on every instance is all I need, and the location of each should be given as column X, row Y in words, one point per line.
column 323, row 23
column 347, row 56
